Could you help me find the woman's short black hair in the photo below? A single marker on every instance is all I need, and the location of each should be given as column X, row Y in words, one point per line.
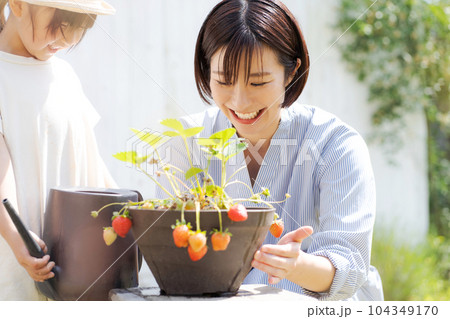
column 242, row 27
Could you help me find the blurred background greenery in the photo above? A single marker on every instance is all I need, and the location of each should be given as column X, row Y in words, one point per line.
column 400, row 49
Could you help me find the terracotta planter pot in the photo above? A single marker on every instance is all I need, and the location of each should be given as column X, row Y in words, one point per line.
column 218, row 272
column 87, row 268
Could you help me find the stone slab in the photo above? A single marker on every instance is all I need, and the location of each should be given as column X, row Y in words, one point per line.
column 246, row 292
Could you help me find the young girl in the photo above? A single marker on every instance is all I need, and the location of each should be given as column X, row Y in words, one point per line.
column 46, row 126
column 251, row 60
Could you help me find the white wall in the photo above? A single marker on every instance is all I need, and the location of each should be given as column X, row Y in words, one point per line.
column 137, row 68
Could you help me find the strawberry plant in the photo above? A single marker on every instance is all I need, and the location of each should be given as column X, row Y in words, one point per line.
column 198, row 191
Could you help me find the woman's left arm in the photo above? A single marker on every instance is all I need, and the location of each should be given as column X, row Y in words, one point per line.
column 338, row 257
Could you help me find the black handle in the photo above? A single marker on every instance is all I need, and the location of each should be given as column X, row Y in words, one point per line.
column 139, row 195
column 32, row 246
column 34, row 249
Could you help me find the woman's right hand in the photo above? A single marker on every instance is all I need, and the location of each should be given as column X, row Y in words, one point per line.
column 39, row 269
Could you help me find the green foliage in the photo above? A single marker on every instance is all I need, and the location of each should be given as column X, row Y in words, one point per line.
column 178, row 128
column 401, row 50
column 130, row 157
column 413, row 273
column 192, row 172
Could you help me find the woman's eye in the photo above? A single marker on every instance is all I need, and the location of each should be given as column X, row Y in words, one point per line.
column 259, row 84
column 223, row 83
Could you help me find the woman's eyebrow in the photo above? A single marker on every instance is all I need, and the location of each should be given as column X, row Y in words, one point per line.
column 257, row 74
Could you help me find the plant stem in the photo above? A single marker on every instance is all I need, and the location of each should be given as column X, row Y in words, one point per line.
column 156, row 182
column 238, row 170
column 108, row 205
column 190, row 163
column 182, row 212
column 172, row 184
column 197, row 215
column 240, row 182
column 220, row 215
column 224, row 174
column 182, row 183
column 174, row 187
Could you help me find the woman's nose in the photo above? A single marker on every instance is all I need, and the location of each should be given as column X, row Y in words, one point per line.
column 240, row 98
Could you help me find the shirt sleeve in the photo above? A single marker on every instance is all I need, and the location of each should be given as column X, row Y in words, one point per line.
column 346, row 214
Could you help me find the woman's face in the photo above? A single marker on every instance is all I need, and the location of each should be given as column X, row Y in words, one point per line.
column 254, row 108
column 44, row 44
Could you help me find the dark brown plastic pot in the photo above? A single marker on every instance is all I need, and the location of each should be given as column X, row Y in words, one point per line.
column 218, row 272
column 87, row 269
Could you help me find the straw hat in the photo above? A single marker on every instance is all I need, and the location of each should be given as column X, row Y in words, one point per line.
column 81, row 6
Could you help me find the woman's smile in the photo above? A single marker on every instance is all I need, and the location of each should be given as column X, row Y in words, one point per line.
column 247, row 118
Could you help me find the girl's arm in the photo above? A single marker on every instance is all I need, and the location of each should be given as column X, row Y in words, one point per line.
column 39, row 269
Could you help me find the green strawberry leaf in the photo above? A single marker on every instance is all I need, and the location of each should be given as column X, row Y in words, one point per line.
column 191, row 172
column 214, row 190
column 224, row 135
column 129, row 157
column 192, row 131
column 233, row 148
column 210, row 150
column 173, row 124
column 265, row 191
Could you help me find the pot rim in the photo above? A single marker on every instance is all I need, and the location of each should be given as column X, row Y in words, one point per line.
column 249, row 209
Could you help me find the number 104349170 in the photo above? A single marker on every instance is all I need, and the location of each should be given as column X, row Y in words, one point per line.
column 417, row 310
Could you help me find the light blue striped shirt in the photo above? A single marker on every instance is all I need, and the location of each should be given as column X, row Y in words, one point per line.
column 325, row 166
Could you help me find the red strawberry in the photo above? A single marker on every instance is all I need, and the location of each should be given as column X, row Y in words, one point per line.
column 237, row 213
column 197, row 255
column 277, row 227
column 121, row 225
column 181, row 234
column 109, row 235
column 220, row 240
column 197, row 241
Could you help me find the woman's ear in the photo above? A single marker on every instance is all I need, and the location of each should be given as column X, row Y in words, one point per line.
column 16, row 7
column 291, row 76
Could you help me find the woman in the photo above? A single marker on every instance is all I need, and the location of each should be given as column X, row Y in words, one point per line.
column 251, row 60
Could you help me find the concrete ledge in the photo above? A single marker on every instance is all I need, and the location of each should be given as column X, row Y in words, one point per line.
column 246, row 292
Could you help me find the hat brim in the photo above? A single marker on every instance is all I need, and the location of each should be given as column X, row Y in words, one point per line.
column 98, row 8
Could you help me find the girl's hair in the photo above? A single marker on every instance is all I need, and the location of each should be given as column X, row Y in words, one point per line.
column 2, row 13
column 242, row 27
column 74, row 20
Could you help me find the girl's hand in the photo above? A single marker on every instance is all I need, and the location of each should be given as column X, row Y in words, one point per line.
column 39, row 269
column 280, row 260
